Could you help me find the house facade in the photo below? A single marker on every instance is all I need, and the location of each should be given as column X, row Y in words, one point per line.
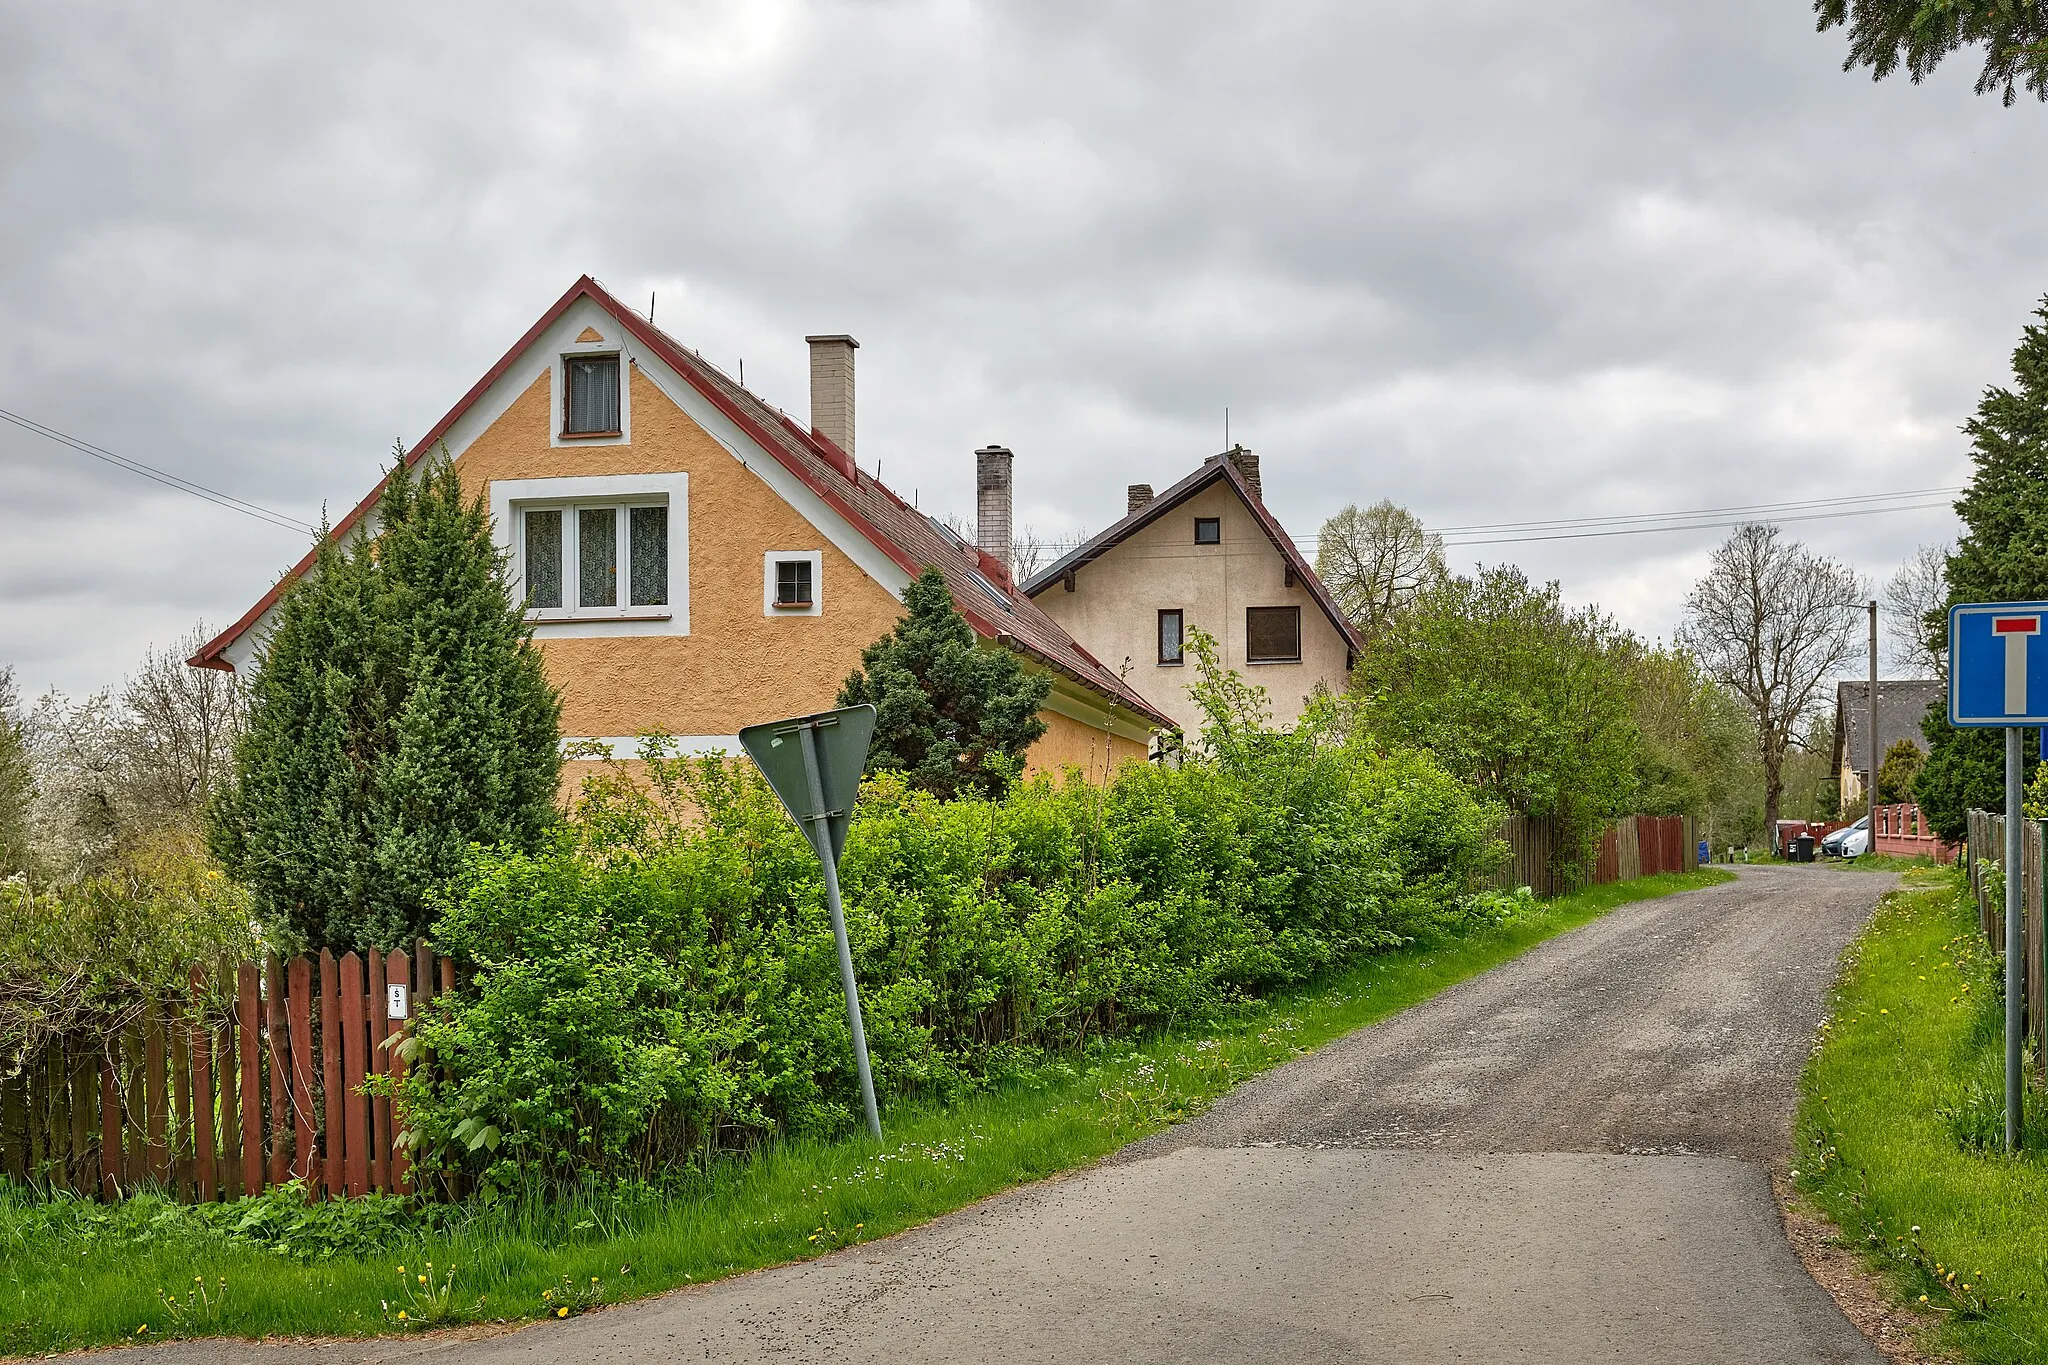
column 695, row 560
column 1205, row 553
column 1900, row 706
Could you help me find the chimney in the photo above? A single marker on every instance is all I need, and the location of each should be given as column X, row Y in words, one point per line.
column 832, row 388
column 1247, row 468
column 1136, row 496
column 992, row 502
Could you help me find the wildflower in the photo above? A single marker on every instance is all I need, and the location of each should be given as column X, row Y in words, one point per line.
column 140, row 1330
column 423, row 1279
column 561, row 1312
column 1923, row 1298
column 1916, row 1229
column 401, row 1315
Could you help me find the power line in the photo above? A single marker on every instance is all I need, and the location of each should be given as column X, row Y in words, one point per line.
column 1691, row 526
column 1561, row 523
column 164, row 477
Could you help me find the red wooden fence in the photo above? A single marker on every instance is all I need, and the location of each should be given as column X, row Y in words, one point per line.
column 219, row 1095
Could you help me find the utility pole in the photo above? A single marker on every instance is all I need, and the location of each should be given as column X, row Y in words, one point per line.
column 1870, row 788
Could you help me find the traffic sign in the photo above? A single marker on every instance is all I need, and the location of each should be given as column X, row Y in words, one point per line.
column 814, row 764
column 778, row 749
column 1998, row 664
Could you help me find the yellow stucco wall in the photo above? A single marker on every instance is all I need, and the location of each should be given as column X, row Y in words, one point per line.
column 1067, row 743
column 1114, row 608
column 737, row 666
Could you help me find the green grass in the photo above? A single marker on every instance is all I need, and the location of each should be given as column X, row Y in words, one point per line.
column 1901, row 1128
column 74, row 1275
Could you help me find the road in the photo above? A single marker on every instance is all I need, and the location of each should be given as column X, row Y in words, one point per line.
column 1563, row 1160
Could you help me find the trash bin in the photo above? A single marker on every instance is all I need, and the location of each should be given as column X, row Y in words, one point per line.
column 1802, row 849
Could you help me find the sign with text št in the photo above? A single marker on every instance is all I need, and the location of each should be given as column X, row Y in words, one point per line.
column 1998, row 664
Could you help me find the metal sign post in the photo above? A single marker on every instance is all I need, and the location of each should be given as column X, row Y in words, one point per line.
column 1998, row 677
column 814, row 764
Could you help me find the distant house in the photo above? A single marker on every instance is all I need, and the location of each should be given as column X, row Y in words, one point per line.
column 694, row 560
column 1205, row 553
column 1900, row 705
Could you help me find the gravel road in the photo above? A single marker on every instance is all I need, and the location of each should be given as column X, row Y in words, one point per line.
column 1563, row 1160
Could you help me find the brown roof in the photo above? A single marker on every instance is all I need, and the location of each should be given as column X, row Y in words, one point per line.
column 1213, row 469
column 980, row 585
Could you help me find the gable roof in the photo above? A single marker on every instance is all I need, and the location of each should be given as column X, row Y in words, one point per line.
column 980, row 585
column 1900, row 705
column 1215, row 469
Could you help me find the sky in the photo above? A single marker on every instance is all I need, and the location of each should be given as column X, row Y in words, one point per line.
column 1495, row 260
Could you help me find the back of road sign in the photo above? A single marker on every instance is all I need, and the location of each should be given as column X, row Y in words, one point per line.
column 1998, row 664
column 842, row 752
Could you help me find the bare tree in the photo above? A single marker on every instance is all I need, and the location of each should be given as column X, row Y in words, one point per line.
column 1772, row 621
column 1376, row 561
column 1916, row 611
column 1029, row 551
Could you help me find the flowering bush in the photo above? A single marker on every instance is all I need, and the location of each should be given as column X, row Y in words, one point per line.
column 662, row 983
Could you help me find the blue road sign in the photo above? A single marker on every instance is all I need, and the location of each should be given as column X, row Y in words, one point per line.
column 1998, row 664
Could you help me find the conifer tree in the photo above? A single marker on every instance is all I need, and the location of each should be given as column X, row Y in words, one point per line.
column 2001, row 557
column 949, row 713
column 17, row 783
column 399, row 713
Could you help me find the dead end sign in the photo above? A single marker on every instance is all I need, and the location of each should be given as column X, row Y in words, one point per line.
column 1998, row 664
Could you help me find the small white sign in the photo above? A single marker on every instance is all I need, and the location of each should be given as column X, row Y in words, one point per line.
column 394, row 1002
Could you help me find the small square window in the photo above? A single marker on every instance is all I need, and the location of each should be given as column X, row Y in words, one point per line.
column 1208, row 530
column 1170, row 636
column 590, row 395
column 793, row 583
column 1272, row 635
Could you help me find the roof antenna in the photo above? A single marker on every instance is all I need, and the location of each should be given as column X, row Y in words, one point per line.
column 1226, row 428
column 650, row 308
column 743, row 372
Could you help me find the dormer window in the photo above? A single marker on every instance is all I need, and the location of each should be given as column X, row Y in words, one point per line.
column 590, row 395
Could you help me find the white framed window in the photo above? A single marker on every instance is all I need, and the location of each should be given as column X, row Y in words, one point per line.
column 599, row 555
column 792, row 583
column 595, row 559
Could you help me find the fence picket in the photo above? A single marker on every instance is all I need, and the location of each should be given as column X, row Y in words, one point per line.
column 249, row 1025
column 354, row 1106
column 333, row 1172
column 380, row 1108
column 280, row 1070
column 181, row 1106
column 299, row 1010
column 156, row 1106
column 225, row 1047
column 203, row 1169
column 110, row 1129
column 397, row 971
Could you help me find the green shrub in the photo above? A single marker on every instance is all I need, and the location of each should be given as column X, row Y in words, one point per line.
column 662, row 984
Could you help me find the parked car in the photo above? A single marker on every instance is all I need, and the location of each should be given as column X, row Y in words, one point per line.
column 1850, row 841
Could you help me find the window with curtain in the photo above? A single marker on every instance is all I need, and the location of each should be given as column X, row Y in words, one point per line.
column 1272, row 635
column 1170, row 636
column 590, row 395
column 588, row 559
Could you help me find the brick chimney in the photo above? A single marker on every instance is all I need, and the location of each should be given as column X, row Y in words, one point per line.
column 1136, row 496
column 1247, row 468
column 992, row 501
column 832, row 388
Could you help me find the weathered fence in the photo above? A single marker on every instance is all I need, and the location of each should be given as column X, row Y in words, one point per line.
column 201, row 1100
column 1984, row 842
column 1634, row 846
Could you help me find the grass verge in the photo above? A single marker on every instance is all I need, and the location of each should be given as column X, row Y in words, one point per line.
column 1901, row 1127
column 74, row 1274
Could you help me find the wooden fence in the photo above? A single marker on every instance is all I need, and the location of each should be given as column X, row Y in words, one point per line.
column 1633, row 846
column 1984, row 842
column 257, row 1080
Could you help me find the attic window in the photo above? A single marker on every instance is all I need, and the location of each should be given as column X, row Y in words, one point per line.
column 1208, row 530
column 590, row 395
column 1272, row 635
column 792, row 582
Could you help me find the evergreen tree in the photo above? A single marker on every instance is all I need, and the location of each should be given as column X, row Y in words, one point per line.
column 2001, row 557
column 399, row 713
column 17, row 782
column 1895, row 775
column 953, row 716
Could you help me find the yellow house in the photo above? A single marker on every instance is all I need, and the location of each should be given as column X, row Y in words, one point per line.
column 1204, row 553
column 695, row 560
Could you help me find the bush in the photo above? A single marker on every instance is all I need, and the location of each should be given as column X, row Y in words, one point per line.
column 662, row 985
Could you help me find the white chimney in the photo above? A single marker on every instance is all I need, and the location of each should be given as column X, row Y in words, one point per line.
column 832, row 388
column 992, row 502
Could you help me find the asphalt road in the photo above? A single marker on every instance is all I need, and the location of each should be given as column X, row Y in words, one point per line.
column 1563, row 1160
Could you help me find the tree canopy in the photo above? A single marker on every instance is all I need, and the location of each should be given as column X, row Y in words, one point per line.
column 1917, row 35
column 1377, row 561
column 1523, row 697
column 1771, row 622
column 399, row 713
column 2002, row 556
column 954, row 717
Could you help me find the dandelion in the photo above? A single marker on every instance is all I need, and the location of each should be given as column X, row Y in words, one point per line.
column 401, row 1315
column 562, row 1312
column 142, row 1329
column 1916, row 1229
column 1923, row 1298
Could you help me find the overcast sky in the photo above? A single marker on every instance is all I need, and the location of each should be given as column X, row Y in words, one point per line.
column 1494, row 259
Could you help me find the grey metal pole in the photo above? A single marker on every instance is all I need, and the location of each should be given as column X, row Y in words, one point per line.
column 2015, row 957
column 821, row 840
column 1870, row 790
